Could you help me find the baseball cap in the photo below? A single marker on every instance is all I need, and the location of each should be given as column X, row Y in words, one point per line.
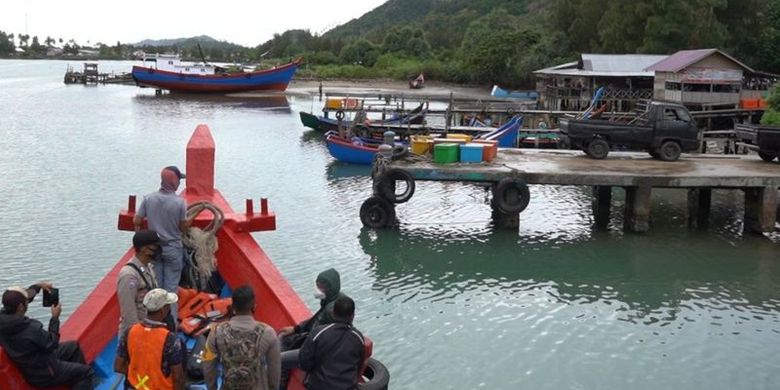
column 156, row 299
column 175, row 170
column 143, row 238
column 15, row 295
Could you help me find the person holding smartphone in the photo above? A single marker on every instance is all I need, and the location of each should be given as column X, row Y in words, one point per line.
column 38, row 353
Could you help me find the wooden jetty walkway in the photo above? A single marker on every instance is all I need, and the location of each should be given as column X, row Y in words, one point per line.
column 637, row 173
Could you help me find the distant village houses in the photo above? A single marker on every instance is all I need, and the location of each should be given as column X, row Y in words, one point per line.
column 699, row 79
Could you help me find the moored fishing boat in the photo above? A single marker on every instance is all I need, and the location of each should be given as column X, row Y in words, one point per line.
column 325, row 124
column 358, row 150
column 240, row 260
column 181, row 80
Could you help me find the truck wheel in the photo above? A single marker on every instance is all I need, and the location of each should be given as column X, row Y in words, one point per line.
column 669, row 151
column 598, row 149
column 767, row 156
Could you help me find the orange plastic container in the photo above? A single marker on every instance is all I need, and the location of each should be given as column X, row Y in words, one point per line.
column 489, row 151
column 749, row 103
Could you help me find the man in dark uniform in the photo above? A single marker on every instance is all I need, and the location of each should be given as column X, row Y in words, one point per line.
column 39, row 355
column 137, row 278
column 333, row 354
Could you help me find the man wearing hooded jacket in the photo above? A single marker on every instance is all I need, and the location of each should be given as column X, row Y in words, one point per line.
column 327, row 290
column 38, row 353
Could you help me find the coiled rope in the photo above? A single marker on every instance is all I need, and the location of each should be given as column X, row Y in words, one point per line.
column 203, row 242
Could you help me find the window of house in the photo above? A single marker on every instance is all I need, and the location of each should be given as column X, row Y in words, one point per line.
column 725, row 88
column 672, row 86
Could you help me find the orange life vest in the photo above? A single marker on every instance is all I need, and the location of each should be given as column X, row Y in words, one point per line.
column 200, row 316
column 145, row 349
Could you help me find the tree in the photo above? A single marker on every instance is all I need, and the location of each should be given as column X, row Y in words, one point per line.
column 35, row 46
column 493, row 47
column 407, row 42
column 360, row 52
column 7, row 46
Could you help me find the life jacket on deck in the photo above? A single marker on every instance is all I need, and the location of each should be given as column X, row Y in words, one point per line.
column 197, row 310
column 145, row 349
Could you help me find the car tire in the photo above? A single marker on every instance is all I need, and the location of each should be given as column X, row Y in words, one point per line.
column 669, row 151
column 598, row 149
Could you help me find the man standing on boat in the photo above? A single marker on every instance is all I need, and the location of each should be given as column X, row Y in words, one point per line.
column 136, row 278
column 247, row 349
column 333, row 354
column 149, row 354
column 166, row 213
column 39, row 355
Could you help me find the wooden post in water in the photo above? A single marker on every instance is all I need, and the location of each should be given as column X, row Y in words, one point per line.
column 760, row 209
column 637, row 214
column 699, row 202
column 602, row 202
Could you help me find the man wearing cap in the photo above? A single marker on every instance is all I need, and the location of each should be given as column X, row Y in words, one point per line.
column 137, row 278
column 42, row 359
column 149, row 355
column 166, row 213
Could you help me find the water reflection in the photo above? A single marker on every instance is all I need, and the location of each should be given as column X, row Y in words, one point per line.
column 640, row 278
column 337, row 170
column 199, row 102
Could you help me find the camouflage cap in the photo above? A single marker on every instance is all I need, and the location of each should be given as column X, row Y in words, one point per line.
column 156, row 299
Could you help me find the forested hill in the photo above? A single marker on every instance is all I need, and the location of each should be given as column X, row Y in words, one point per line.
column 503, row 41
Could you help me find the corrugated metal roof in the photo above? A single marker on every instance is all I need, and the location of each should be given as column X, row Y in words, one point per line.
column 606, row 65
column 685, row 58
column 619, row 62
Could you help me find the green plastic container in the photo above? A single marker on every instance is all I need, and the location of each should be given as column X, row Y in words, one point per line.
column 445, row 153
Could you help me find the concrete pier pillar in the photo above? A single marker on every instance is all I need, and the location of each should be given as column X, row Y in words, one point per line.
column 602, row 201
column 699, row 202
column 760, row 209
column 637, row 214
column 506, row 221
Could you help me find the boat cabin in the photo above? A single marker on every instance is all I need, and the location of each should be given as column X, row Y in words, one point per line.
column 172, row 63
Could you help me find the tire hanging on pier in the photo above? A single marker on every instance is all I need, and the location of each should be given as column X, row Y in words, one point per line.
column 386, row 185
column 376, row 212
column 511, row 196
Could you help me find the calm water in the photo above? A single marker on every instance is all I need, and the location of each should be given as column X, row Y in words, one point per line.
column 449, row 302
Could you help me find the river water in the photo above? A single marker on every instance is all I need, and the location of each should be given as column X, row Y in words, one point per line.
column 450, row 302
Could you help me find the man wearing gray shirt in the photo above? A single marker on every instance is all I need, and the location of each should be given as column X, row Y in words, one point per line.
column 166, row 213
column 136, row 278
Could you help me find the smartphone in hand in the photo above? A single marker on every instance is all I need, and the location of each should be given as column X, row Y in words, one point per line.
column 51, row 298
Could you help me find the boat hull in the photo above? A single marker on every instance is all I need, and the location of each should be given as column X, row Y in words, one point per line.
column 274, row 79
column 343, row 150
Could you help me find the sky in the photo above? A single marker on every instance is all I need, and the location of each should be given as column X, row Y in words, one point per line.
column 247, row 23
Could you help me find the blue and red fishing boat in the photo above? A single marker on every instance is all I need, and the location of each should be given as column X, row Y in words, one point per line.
column 240, row 260
column 190, row 79
column 362, row 151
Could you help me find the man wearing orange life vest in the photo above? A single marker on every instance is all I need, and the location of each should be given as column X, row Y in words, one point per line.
column 149, row 355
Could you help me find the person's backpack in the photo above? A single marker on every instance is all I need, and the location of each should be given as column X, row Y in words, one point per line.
column 239, row 352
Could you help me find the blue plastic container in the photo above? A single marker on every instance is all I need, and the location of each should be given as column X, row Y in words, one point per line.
column 471, row 153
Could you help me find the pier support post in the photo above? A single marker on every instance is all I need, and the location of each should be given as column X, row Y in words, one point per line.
column 602, row 202
column 637, row 213
column 506, row 221
column 760, row 209
column 699, row 202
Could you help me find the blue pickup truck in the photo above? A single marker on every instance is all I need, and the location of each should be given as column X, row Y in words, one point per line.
column 663, row 129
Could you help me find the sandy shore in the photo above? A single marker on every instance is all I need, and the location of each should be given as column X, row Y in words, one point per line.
column 432, row 90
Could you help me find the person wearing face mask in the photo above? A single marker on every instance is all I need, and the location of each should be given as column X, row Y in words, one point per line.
column 327, row 290
column 166, row 213
column 43, row 360
column 136, row 278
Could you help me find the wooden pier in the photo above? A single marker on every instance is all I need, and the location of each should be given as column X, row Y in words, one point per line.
column 636, row 173
column 91, row 75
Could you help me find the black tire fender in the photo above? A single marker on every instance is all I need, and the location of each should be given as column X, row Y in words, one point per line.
column 399, row 152
column 511, row 196
column 376, row 212
column 386, row 185
column 377, row 376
